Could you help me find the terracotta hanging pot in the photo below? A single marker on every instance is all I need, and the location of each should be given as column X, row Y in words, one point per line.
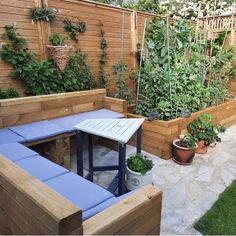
column 202, row 148
column 182, row 155
column 60, row 55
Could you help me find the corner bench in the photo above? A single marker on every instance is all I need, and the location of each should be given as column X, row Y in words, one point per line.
column 38, row 196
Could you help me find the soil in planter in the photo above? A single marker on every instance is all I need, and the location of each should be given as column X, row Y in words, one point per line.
column 181, row 143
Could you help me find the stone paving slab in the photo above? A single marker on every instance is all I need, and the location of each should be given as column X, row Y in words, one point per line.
column 188, row 191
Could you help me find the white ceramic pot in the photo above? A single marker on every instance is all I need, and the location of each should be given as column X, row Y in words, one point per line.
column 136, row 180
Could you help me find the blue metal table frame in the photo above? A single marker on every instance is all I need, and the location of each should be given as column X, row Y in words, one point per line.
column 119, row 180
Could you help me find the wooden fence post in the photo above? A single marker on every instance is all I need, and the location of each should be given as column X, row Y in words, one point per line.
column 44, row 31
column 134, row 38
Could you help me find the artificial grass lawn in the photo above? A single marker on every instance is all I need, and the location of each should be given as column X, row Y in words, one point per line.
column 221, row 218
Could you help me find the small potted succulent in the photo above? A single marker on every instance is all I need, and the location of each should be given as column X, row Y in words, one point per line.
column 205, row 131
column 184, row 149
column 139, row 171
column 59, row 50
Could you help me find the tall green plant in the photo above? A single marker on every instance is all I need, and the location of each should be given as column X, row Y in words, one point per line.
column 120, row 70
column 197, row 81
column 103, row 59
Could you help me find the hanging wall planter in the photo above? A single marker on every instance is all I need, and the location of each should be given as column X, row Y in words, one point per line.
column 58, row 51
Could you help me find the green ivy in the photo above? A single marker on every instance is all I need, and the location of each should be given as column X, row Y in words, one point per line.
column 43, row 77
column 73, row 28
column 103, row 59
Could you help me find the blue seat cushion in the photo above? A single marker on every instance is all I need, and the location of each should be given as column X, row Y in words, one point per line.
column 37, row 130
column 103, row 114
column 41, row 168
column 68, row 122
column 16, row 151
column 8, row 136
column 79, row 191
column 93, row 211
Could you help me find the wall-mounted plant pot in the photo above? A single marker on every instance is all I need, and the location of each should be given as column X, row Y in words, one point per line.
column 136, row 180
column 60, row 55
column 202, row 148
column 182, row 155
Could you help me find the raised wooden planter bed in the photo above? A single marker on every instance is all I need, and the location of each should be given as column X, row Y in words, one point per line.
column 158, row 135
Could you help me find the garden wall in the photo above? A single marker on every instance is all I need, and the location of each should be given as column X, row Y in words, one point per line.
column 93, row 14
column 158, row 135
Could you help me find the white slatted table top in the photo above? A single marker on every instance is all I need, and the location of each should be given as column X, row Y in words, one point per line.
column 120, row 130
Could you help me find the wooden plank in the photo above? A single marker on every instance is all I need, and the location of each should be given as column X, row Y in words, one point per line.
column 125, row 215
column 15, row 210
column 20, row 109
column 48, row 207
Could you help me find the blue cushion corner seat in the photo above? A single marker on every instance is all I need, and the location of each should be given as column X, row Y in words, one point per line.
column 79, row 191
column 37, row 130
column 16, row 151
column 68, row 122
column 103, row 114
column 41, row 168
column 9, row 136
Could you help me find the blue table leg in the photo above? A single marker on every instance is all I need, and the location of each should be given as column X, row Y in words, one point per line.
column 139, row 139
column 122, row 153
column 79, row 153
column 90, row 149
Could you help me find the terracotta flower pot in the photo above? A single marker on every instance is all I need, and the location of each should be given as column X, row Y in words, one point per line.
column 182, row 155
column 202, row 148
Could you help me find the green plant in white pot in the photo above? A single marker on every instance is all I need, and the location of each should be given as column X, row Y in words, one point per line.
column 139, row 171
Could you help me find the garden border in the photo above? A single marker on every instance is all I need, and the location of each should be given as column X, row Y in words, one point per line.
column 158, row 134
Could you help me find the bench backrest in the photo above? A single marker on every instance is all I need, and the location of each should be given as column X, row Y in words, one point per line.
column 29, row 109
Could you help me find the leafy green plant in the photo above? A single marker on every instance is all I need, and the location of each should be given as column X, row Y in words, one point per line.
column 9, row 93
column 189, row 141
column 43, row 77
column 122, row 91
column 139, row 163
column 103, row 59
column 43, row 14
column 189, row 79
column 74, row 28
column 203, row 128
column 57, row 39
column 78, row 75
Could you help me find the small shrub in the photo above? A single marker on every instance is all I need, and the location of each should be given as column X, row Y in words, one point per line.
column 9, row 93
column 139, row 163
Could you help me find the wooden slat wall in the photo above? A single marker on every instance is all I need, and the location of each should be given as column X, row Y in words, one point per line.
column 14, row 11
column 89, row 41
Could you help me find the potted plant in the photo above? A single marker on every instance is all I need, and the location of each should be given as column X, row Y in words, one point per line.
column 205, row 131
column 139, row 171
column 59, row 50
column 184, row 149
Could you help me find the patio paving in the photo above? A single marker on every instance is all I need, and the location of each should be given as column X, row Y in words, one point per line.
column 188, row 191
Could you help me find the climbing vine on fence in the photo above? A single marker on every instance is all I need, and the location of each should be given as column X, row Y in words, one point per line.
column 197, row 80
column 103, row 59
column 43, row 77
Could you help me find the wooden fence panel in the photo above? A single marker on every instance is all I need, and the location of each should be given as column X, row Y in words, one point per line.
column 17, row 12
